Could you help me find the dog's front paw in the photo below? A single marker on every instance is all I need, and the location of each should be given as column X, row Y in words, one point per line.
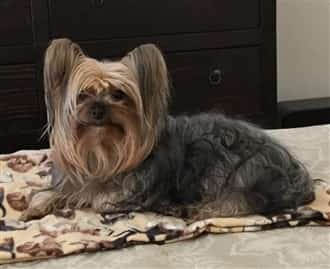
column 40, row 204
column 119, row 208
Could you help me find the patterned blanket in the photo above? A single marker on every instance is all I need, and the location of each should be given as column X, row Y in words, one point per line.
column 75, row 231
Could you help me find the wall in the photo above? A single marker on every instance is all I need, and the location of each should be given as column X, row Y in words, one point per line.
column 303, row 28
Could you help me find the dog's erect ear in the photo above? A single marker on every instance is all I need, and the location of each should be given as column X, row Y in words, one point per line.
column 148, row 64
column 61, row 57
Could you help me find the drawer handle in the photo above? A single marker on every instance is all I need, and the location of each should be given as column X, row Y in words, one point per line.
column 215, row 77
column 97, row 3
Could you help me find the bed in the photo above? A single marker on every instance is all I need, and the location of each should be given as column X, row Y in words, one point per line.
column 299, row 247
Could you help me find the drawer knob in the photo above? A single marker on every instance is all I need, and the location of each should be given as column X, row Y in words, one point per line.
column 97, row 3
column 215, row 77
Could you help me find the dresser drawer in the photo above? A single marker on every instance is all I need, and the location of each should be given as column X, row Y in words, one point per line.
column 18, row 99
column 20, row 141
column 105, row 19
column 23, row 121
column 15, row 22
column 17, row 88
column 227, row 80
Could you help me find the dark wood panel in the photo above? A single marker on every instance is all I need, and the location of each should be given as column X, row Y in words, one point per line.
column 20, row 122
column 17, row 89
column 30, row 139
column 107, row 19
column 17, row 55
column 17, row 100
column 19, row 107
column 40, row 21
column 174, row 43
column 268, row 60
column 13, row 73
column 15, row 24
column 41, row 36
column 227, row 80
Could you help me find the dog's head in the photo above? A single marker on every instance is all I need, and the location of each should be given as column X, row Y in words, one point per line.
column 104, row 117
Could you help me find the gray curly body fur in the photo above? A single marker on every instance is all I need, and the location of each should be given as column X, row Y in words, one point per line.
column 204, row 166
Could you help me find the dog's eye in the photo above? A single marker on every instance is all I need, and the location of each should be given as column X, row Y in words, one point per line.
column 118, row 95
column 82, row 96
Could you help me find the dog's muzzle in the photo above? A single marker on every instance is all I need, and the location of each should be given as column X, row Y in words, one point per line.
column 98, row 111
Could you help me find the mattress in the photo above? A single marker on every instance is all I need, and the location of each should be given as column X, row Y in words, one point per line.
column 298, row 247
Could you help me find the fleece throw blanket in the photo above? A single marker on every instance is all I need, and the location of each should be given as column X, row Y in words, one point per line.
column 76, row 231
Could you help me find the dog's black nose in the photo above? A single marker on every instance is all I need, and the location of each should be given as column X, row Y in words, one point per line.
column 98, row 111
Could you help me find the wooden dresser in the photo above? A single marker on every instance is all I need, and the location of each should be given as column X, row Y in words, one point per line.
column 221, row 54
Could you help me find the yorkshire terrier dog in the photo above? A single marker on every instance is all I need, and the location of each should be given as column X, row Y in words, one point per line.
column 115, row 148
